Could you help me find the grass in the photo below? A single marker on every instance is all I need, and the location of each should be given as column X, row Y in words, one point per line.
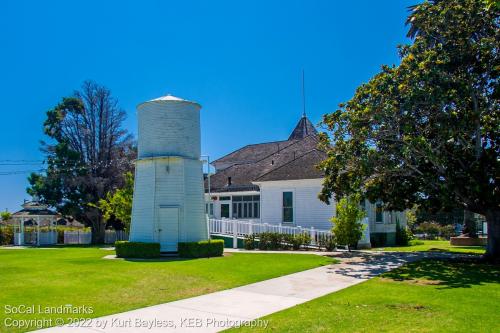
column 79, row 276
column 434, row 245
column 425, row 296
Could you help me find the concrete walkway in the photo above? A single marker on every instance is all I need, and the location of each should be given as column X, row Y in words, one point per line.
column 221, row 310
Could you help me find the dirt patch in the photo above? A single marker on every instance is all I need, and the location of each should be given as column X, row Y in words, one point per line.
column 420, row 282
column 416, row 307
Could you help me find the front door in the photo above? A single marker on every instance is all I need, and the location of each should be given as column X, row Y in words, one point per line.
column 168, row 229
column 224, row 210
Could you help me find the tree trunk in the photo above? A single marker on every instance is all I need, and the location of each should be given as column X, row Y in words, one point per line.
column 493, row 247
column 98, row 232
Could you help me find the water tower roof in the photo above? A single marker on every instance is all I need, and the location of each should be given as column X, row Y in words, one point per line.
column 170, row 98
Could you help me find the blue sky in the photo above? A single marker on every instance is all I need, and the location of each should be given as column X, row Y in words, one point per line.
column 241, row 60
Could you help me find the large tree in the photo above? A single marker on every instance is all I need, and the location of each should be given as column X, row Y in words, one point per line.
column 87, row 155
column 426, row 131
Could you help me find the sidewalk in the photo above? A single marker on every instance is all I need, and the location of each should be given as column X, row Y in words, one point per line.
column 221, row 310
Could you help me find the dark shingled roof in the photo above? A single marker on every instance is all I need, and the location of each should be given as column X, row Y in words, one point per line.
column 254, row 152
column 303, row 167
column 280, row 160
column 304, row 128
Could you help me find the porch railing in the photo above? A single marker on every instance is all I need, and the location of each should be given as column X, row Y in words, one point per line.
column 241, row 228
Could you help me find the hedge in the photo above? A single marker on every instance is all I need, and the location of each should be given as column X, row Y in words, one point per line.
column 125, row 249
column 201, row 249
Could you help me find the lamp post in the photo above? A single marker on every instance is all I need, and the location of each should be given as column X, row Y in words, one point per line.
column 207, row 160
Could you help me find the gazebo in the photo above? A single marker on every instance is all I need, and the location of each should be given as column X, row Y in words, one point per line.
column 36, row 216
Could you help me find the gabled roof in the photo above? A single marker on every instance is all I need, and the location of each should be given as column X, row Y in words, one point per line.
column 242, row 174
column 304, row 128
column 302, row 167
column 253, row 152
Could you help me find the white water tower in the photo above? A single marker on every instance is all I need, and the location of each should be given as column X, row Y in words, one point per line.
column 168, row 205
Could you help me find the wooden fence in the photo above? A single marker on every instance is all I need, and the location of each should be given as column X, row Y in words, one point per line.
column 111, row 236
column 77, row 237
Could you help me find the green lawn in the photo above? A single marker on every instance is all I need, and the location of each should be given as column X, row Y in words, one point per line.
column 426, row 296
column 79, row 276
column 435, row 245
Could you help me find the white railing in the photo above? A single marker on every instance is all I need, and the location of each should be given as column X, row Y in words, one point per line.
column 77, row 237
column 242, row 228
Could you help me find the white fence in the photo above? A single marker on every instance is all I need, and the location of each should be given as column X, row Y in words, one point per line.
column 242, row 228
column 77, row 237
column 111, row 236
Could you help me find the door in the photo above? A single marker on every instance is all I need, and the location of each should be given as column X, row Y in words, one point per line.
column 168, row 229
column 224, row 210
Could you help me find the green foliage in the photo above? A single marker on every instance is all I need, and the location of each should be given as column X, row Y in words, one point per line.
column 434, row 230
column 6, row 235
column 5, row 216
column 125, row 249
column 270, row 240
column 447, row 231
column 119, row 202
column 327, row 243
column 347, row 225
column 201, row 249
column 87, row 154
column 411, row 216
column 426, row 131
column 299, row 240
column 403, row 235
column 250, row 242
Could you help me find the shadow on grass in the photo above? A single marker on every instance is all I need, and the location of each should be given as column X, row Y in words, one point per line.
column 447, row 273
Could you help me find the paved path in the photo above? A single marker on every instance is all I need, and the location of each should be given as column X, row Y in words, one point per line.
column 220, row 310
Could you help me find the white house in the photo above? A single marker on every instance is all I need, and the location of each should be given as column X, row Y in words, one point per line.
column 278, row 183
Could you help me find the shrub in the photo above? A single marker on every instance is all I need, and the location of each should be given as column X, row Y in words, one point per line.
column 300, row 240
column 327, row 242
column 447, row 231
column 403, row 235
column 125, row 249
column 430, row 228
column 347, row 225
column 270, row 241
column 201, row 249
column 6, row 235
column 249, row 242
column 414, row 242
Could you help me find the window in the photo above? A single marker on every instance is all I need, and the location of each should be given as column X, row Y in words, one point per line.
column 209, row 209
column 379, row 213
column 224, row 198
column 246, row 206
column 288, row 207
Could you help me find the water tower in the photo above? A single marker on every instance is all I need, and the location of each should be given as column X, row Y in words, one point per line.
column 168, row 205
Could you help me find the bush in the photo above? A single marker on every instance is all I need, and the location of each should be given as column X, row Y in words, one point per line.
column 270, row 241
column 403, row 235
column 125, row 249
column 447, row 231
column 297, row 241
column 201, row 249
column 431, row 229
column 327, row 243
column 6, row 235
column 249, row 242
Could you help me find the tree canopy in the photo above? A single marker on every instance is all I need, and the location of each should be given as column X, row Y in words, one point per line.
column 87, row 154
column 426, row 131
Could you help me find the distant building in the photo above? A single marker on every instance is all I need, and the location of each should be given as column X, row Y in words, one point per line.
column 278, row 183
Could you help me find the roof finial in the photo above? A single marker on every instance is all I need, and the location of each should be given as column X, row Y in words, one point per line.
column 303, row 95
